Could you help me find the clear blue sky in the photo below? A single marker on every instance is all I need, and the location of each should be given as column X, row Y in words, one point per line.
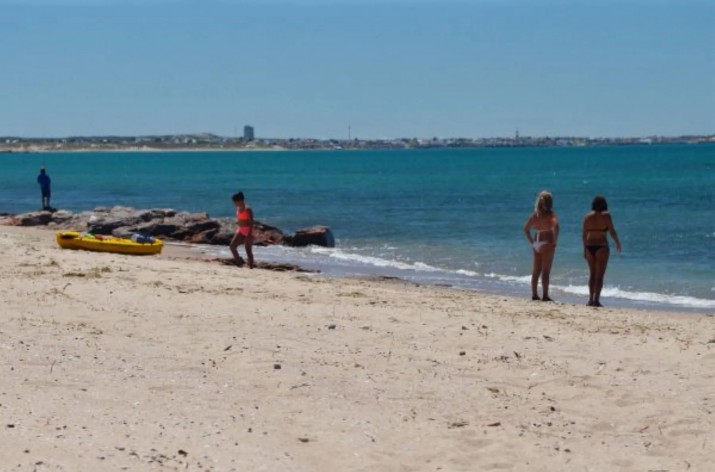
column 393, row 68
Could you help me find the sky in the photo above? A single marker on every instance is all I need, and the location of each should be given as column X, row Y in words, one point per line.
column 358, row 68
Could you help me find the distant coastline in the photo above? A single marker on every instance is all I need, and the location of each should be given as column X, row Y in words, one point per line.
column 211, row 142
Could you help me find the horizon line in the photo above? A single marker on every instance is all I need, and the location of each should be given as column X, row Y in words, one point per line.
column 208, row 133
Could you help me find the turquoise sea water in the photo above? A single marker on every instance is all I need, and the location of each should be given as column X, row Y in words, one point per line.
column 443, row 216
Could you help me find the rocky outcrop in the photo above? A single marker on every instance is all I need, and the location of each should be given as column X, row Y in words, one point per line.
column 317, row 235
column 35, row 218
column 196, row 228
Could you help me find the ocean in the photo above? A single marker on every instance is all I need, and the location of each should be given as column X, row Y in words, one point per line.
column 448, row 217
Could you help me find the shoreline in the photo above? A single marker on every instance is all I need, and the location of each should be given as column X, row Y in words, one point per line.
column 191, row 253
column 484, row 285
column 208, row 252
column 142, row 150
column 368, row 146
column 137, row 362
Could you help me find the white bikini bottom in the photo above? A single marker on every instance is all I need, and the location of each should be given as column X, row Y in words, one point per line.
column 537, row 244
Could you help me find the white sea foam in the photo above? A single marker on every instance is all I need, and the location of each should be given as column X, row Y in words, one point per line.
column 521, row 279
column 373, row 261
column 430, row 272
column 648, row 297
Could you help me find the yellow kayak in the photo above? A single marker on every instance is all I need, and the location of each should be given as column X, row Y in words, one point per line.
column 90, row 242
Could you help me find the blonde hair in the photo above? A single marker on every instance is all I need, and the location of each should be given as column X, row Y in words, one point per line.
column 544, row 203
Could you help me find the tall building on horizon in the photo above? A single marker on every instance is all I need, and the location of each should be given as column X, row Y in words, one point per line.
column 248, row 133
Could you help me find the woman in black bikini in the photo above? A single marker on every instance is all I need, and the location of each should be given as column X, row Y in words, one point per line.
column 545, row 225
column 596, row 225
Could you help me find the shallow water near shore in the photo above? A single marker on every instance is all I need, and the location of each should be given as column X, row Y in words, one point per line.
column 444, row 216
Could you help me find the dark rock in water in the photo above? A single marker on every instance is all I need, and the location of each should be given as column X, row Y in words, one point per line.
column 317, row 235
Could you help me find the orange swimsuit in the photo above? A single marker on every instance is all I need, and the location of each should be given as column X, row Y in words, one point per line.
column 244, row 217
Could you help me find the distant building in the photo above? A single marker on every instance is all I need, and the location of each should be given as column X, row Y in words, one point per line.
column 248, row 133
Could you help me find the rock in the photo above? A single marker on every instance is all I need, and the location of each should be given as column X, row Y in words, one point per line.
column 159, row 228
column 263, row 234
column 124, row 232
column 204, row 237
column 35, row 218
column 63, row 219
column 105, row 221
column 266, row 235
column 197, row 228
column 187, row 224
column 317, row 235
column 202, row 226
column 61, row 216
column 223, row 236
column 106, row 226
column 156, row 213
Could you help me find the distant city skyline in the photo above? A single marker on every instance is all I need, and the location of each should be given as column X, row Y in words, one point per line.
column 359, row 69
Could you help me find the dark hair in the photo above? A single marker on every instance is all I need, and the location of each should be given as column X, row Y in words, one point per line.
column 237, row 197
column 599, row 204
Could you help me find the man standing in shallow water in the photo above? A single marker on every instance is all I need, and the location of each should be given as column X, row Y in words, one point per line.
column 44, row 181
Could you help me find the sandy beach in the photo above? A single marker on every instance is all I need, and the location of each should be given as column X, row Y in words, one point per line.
column 116, row 363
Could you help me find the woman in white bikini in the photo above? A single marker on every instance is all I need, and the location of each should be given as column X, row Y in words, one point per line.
column 545, row 226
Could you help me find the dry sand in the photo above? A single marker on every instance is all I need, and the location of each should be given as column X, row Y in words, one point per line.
column 162, row 363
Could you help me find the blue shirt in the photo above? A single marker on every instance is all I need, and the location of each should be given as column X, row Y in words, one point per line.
column 43, row 180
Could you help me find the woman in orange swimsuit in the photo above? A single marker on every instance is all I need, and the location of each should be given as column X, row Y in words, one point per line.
column 596, row 225
column 244, row 230
column 543, row 242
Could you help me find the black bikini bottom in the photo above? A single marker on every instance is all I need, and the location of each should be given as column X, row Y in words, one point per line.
column 594, row 249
